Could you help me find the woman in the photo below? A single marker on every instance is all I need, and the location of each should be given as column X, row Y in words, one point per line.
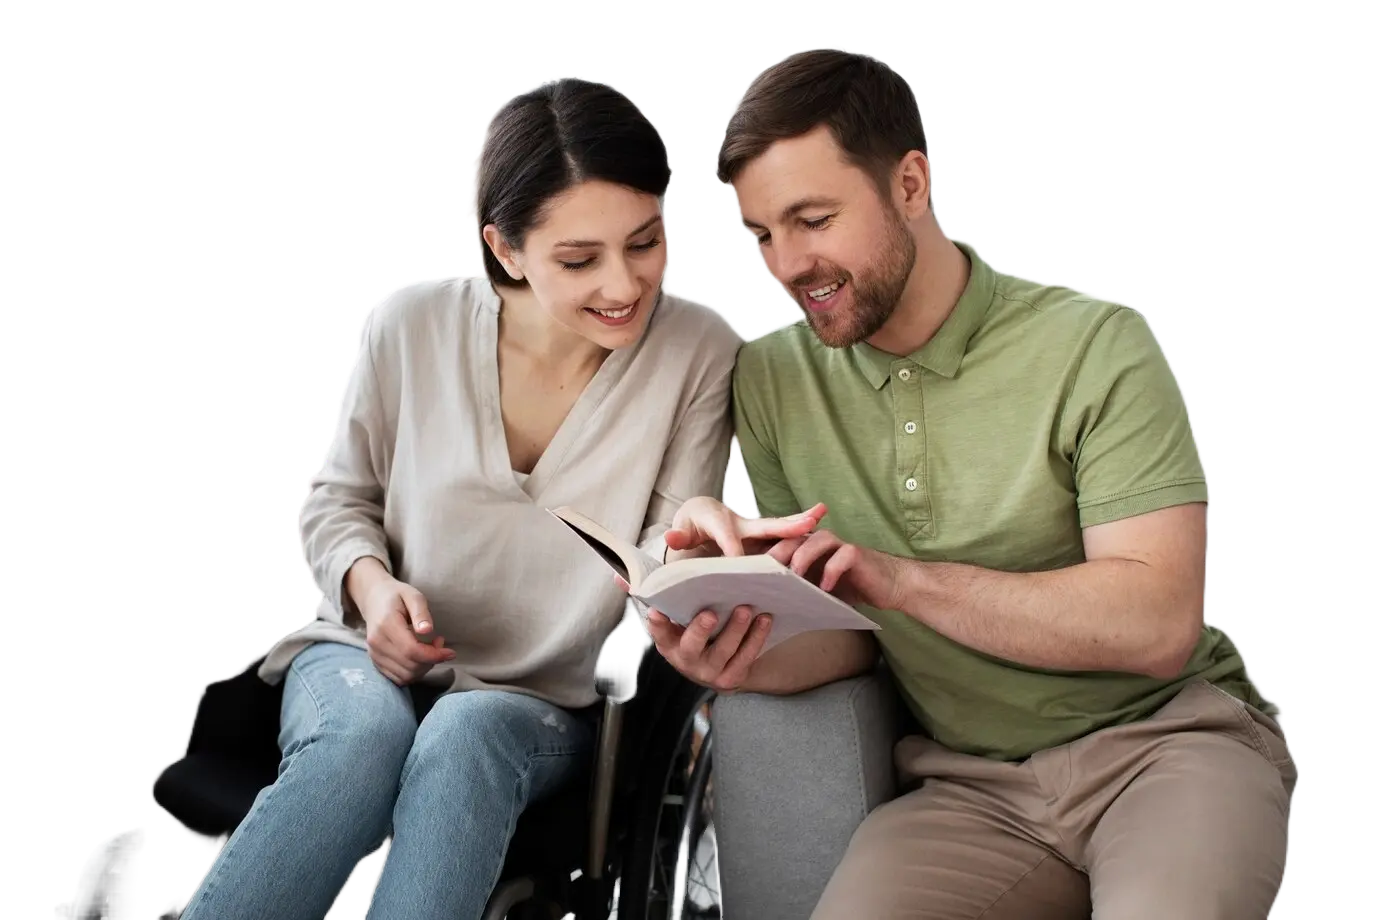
column 563, row 378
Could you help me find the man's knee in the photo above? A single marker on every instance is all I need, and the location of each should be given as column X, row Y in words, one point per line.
column 933, row 855
column 1207, row 810
column 1161, row 900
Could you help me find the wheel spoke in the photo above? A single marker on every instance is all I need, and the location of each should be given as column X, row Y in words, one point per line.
column 681, row 882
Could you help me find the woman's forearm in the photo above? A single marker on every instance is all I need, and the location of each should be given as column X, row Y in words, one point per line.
column 362, row 577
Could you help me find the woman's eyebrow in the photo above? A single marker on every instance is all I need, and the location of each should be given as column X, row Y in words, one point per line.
column 594, row 244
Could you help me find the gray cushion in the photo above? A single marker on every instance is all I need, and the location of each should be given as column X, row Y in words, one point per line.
column 794, row 776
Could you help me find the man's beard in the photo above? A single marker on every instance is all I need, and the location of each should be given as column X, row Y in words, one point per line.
column 875, row 291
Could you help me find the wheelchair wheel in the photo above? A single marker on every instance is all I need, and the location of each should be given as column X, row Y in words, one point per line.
column 671, row 869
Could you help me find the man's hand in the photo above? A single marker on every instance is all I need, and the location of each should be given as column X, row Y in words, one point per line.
column 397, row 623
column 710, row 524
column 725, row 663
column 852, row 573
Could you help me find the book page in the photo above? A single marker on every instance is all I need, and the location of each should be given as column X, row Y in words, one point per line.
column 643, row 566
column 624, row 558
column 795, row 604
column 675, row 572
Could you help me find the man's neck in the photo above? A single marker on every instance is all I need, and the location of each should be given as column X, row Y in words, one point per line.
column 525, row 329
column 936, row 283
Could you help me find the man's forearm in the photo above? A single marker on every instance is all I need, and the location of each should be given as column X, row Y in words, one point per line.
column 812, row 660
column 1102, row 615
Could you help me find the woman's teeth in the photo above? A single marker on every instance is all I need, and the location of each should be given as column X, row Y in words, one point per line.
column 824, row 292
column 614, row 314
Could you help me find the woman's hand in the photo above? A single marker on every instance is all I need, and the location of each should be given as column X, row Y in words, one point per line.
column 398, row 626
column 724, row 662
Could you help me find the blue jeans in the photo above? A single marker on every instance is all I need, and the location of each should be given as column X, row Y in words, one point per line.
column 356, row 765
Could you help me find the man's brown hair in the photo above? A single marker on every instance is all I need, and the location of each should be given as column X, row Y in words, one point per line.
column 868, row 108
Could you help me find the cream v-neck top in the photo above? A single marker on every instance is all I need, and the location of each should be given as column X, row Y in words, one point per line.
column 419, row 477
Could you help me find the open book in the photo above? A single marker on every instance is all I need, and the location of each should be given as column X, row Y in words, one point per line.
column 683, row 588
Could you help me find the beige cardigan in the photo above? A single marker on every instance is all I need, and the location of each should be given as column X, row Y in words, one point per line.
column 418, row 476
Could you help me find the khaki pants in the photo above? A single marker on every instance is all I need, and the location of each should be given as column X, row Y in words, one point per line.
column 1182, row 815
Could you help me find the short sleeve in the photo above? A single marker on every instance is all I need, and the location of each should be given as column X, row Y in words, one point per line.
column 1126, row 428
column 750, row 422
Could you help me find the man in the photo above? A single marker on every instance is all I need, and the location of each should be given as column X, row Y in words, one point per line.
column 1013, row 493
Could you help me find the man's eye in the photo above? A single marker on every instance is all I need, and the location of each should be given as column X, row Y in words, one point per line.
column 819, row 223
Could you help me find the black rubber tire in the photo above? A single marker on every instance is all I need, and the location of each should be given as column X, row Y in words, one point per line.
column 671, row 734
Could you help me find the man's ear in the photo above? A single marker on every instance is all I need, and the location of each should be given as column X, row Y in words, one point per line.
column 913, row 184
column 505, row 254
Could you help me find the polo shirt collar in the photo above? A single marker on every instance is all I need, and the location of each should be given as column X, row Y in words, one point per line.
column 943, row 353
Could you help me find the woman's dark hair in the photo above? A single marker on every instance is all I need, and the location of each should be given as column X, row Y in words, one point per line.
column 553, row 138
column 867, row 106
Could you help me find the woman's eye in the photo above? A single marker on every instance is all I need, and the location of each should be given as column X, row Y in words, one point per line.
column 639, row 247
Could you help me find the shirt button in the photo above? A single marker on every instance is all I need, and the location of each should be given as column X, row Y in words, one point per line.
column 910, row 428
column 911, row 485
column 904, row 373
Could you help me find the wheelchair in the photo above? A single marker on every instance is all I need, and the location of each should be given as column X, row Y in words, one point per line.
column 633, row 840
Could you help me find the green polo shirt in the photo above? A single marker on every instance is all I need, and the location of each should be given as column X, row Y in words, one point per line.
column 1032, row 413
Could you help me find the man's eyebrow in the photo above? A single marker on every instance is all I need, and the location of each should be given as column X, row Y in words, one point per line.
column 804, row 204
column 594, row 244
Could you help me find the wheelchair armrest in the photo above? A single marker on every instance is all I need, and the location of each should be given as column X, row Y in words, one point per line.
column 620, row 659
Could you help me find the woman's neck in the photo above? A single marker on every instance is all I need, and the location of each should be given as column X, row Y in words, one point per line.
column 525, row 329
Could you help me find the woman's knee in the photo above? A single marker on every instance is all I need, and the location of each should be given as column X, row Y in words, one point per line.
column 341, row 705
column 493, row 731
